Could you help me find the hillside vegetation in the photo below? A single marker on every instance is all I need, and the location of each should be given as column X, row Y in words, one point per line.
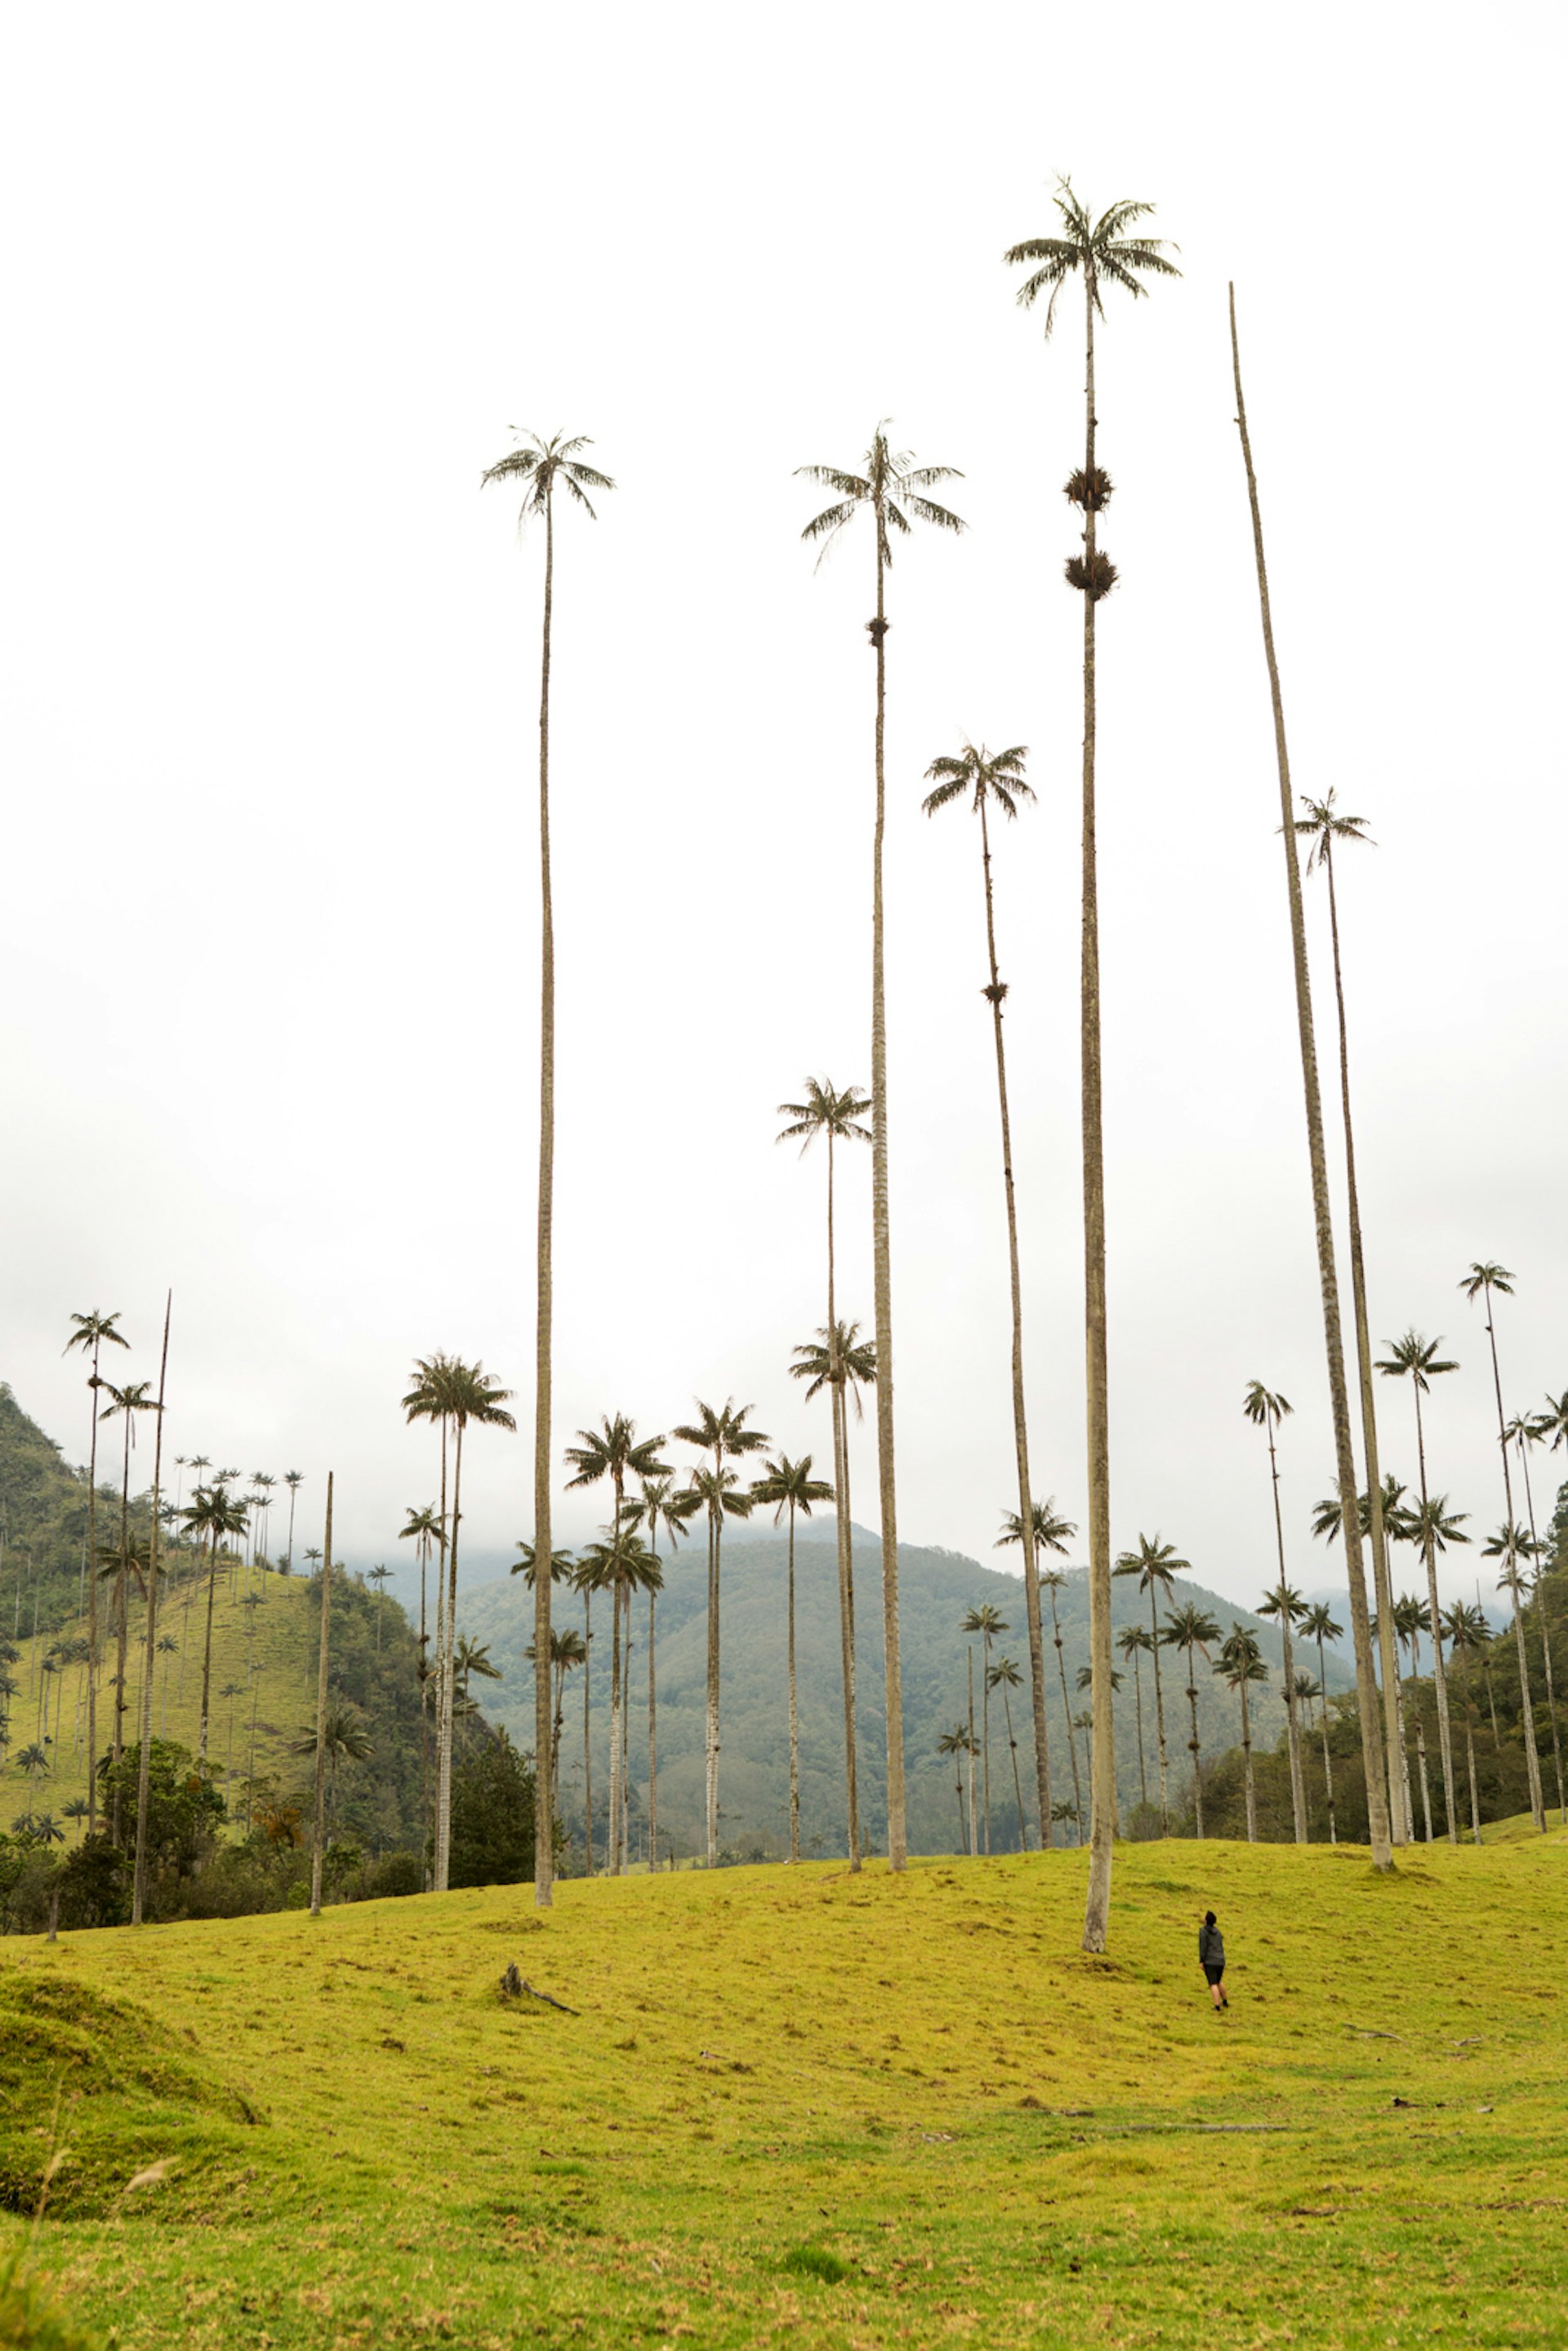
column 870, row 2111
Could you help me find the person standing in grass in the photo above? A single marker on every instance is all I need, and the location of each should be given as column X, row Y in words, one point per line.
column 1211, row 1958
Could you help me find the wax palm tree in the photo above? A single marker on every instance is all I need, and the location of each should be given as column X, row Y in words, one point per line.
column 1324, row 826
column 380, row 1577
column 660, row 1504
column 1524, row 1430
column 1156, row 1564
column 1100, row 252
column 1266, row 1411
column 293, row 1479
column 32, row 1759
column 788, row 1486
column 343, row 1737
column 539, row 468
column 1409, row 1615
column 1374, row 1753
column 639, row 1571
column 213, row 1516
column 988, row 781
column 723, row 1433
column 892, row 489
column 1048, row 1533
column 614, row 1450
column 1004, row 1675
column 1240, row 1663
column 458, row 1396
column 1136, row 1644
column 92, row 1333
column 988, row 1622
column 567, row 1652
column 75, row 1809
column 1318, row 1625
column 1417, row 1360
column 1482, row 1282
column 1512, row 1545
column 1285, row 1604
column 168, row 1646
column 1051, row 1581
column 1191, row 1628
column 958, row 1742
column 840, row 1361
column 1469, row 1634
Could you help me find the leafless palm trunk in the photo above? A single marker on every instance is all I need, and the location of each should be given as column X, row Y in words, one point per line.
column 974, row 1839
column 1435, row 1622
column 144, row 1735
column 1067, row 1713
column 1138, row 1705
column 1246, row 1762
column 1160, row 1717
column 447, row 1690
column 91, row 1611
column 1531, row 1756
column 881, row 1271
column 1373, row 1756
column 652, row 1740
column 544, row 1790
column 1546, row 1634
column 838, row 1390
column 1193, row 1744
column 207, row 1645
column 1403, row 1830
column 715, row 1572
column 1324, row 1721
column 794, row 1718
column 318, row 1834
column 612, row 1826
column 587, row 1740
column 1102, row 1789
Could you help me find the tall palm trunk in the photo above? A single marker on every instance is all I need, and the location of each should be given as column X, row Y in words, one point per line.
column 1246, row 1765
column 1435, row 1619
column 985, row 1735
column 1102, row 1777
column 144, row 1731
column 448, row 1680
column 1018, row 1784
column 653, row 1735
column 1160, row 1718
column 1374, row 1754
column 121, row 1593
column 92, row 1610
column 612, row 1823
column 319, row 1835
column 1193, row 1742
column 544, row 1790
column 207, row 1647
column 715, row 1570
column 794, row 1719
column 587, row 1738
column 973, row 1836
column 1324, row 1721
column 1293, row 1732
column 1545, row 1633
column 1531, row 1759
column 882, row 1272
column 1470, row 1764
column 1067, row 1713
column 995, row 995
column 839, row 1399
column 1382, row 1584
column 1138, row 1705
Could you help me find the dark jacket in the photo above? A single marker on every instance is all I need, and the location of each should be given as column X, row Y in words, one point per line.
column 1211, row 1947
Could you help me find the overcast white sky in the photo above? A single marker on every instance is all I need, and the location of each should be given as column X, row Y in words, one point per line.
column 277, row 283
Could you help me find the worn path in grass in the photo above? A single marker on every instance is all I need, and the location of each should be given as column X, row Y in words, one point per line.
column 800, row 2104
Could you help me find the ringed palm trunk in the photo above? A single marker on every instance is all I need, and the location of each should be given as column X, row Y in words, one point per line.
column 1102, row 1788
column 1018, row 1784
column 587, row 1740
column 1067, row 1714
column 150, row 1659
column 612, row 1826
column 974, row 1835
column 319, row 1837
column 1323, row 1720
column 1545, row 1640
column 1020, row 1424
column 122, row 1592
column 448, row 1680
column 1138, row 1704
column 1435, row 1622
column 1373, row 1751
column 1160, row 1718
column 1531, row 1759
column 1470, row 1765
column 1246, row 1762
column 794, row 1719
column 91, row 1611
column 653, row 1737
column 881, row 1271
column 544, row 1787
column 715, row 1567
column 1403, row 1830
column 208, row 1647
column 1194, row 1744
column 1293, row 1732
column 839, row 1398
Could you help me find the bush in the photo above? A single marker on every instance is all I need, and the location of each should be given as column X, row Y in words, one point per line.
column 395, row 1873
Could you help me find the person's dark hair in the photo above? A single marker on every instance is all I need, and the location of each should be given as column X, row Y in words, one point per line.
column 1208, row 1918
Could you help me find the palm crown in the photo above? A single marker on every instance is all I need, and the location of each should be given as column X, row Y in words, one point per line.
column 849, row 1360
column 991, row 779
column 789, row 1485
column 1050, row 1531
column 827, row 1112
column 1488, row 1277
column 1098, row 248
column 538, row 465
column 893, row 486
column 1324, row 826
column 1153, row 1562
column 1415, row 1359
column 614, row 1451
column 1263, row 1410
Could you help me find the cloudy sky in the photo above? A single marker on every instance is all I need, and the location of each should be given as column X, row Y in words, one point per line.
column 279, row 284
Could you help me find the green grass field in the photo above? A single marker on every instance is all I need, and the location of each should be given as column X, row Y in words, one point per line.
column 806, row 2106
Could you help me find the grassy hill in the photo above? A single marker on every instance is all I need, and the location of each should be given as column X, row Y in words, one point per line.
column 936, row 1590
column 847, row 2111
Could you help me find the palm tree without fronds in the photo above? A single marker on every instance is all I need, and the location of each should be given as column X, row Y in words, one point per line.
column 1101, row 252
column 894, row 491
column 1419, row 1361
column 539, row 468
column 843, row 1363
column 988, row 1622
column 788, row 1486
column 1156, row 1564
column 614, row 1451
column 958, row 1742
column 1324, row 826
column 93, row 1333
column 1135, row 1645
column 724, row 1435
column 567, row 1651
column 988, row 781
column 661, row 1503
column 1240, row 1662
column 1266, row 1411
column 458, row 1396
column 1048, row 1533
column 1318, row 1625
column 1191, row 1628
column 1004, row 1675
column 1512, row 1545
column 1375, row 1756
column 213, row 1516
column 124, row 1404
column 1469, row 1634
column 1524, row 1430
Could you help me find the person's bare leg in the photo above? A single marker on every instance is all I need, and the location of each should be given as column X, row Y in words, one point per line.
column 1216, row 1995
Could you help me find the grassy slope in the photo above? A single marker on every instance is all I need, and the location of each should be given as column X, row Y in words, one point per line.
column 920, row 2079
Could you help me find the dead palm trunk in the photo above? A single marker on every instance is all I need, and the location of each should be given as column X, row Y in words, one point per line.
column 882, row 1271
column 92, row 1610
column 1435, row 1619
column 145, row 1734
column 838, row 1386
column 448, row 1691
column 1324, row 1722
column 1383, row 1587
column 794, row 1718
column 1102, row 1777
column 1247, row 1764
column 1373, row 1753
column 974, row 1841
column 612, row 1823
column 1160, row 1715
column 318, row 1833
column 1193, row 1742
column 995, row 994
column 653, row 1735
column 544, row 1790
column 714, row 1572
column 207, row 1645
column 587, row 1738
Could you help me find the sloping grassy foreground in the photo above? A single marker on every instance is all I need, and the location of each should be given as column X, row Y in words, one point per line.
column 806, row 2107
